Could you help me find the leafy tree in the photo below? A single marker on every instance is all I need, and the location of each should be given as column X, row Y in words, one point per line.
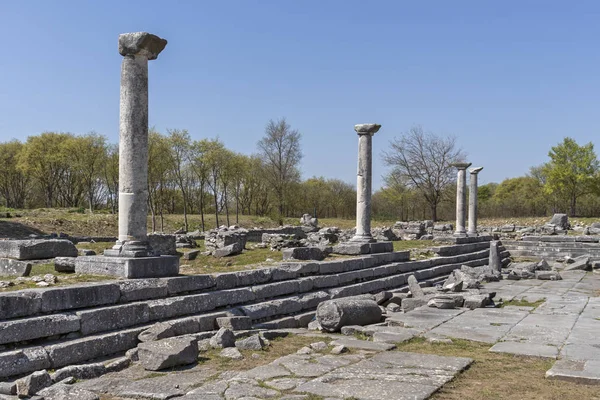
column 14, row 184
column 179, row 156
column 281, row 154
column 571, row 172
column 88, row 155
column 423, row 161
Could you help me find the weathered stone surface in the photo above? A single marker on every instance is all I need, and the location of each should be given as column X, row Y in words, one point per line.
column 10, row 267
column 33, row 383
column 142, row 289
column 303, row 253
column 191, row 255
column 254, row 342
column 19, row 362
column 115, row 317
column 231, row 352
column 223, row 338
column 64, row 264
column 71, row 297
column 579, row 263
column 494, row 261
column 128, row 267
column 190, row 283
column 37, row 249
column 476, row 301
column 8, row 388
column 548, row 275
column 167, row 353
column 141, row 43
column 363, row 344
column 411, row 303
column 561, row 221
column 37, row 327
column 84, row 349
column 441, row 302
column 67, row 392
column 20, row 304
column 160, row 330
column 231, row 250
column 84, row 371
column 181, row 305
column 162, row 244
column 414, row 287
column 235, row 323
column 333, row 314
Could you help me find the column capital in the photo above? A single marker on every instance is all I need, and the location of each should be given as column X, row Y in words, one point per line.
column 475, row 171
column 460, row 166
column 141, row 44
column 366, row 129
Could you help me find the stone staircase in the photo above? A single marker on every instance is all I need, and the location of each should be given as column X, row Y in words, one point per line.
column 60, row 326
column 554, row 246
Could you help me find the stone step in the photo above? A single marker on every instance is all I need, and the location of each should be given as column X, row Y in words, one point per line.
column 198, row 312
column 446, row 251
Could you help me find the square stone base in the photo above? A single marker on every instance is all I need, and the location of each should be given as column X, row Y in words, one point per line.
column 351, row 248
column 139, row 267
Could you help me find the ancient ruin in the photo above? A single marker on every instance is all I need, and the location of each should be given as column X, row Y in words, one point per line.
column 474, row 172
column 461, row 198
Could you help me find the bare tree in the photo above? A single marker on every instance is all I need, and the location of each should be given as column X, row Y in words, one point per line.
column 422, row 160
column 280, row 151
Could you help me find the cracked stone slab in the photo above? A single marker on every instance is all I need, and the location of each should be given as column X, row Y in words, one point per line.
column 542, row 329
column 317, row 365
column 424, row 318
column 578, row 371
column 363, row 344
column 526, row 349
column 389, row 375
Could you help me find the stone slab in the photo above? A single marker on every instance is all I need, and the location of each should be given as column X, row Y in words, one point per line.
column 37, row 249
column 363, row 344
column 526, row 349
column 133, row 268
column 37, row 327
column 22, row 361
column 578, row 371
column 10, row 267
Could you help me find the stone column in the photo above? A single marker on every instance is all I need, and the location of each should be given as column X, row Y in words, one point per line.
column 363, row 182
column 136, row 49
column 461, row 197
column 473, row 201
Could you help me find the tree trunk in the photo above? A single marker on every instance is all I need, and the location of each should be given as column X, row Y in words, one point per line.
column 434, row 212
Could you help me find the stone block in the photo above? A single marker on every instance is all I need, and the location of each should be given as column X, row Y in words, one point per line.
column 142, row 289
column 37, row 327
column 181, row 305
column 140, row 267
column 84, row 371
column 162, row 244
column 88, row 348
column 167, row 353
column 115, row 317
column 254, row 342
column 230, row 250
column 208, row 322
column 33, row 383
column 20, row 304
column 293, row 270
column 381, row 247
column 222, row 339
column 18, row 362
column 410, row 303
column 260, row 310
column 191, row 255
column 158, row 331
column 37, row 249
column 312, row 300
column 8, row 388
column 290, row 305
column 349, row 248
column 230, row 297
column 325, row 281
column 253, row 277
column 225, row 280
column 351, row 277
column 64, row 264
column 303, row 253
column 275, row 289
column 190, row 283
column 61, row 391
column 331, row 267
column 235, row 323
column 334, row 314
column 10, row 267
column 72, row 297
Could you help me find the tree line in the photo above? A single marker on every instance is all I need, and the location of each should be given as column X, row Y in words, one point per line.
column 185, row 176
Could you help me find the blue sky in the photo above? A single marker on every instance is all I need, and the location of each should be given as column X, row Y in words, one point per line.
column 509, row 79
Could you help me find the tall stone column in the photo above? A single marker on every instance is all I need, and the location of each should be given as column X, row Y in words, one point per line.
column 136, row 49
column 461, row 197
column 473, row 201
column 363, row 182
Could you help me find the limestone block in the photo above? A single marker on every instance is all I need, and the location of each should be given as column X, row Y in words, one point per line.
column 71, row 297
column 20, row 304
column 33, row 383
column 18, row 362
column 303, row 253
column 84, row 371
column 231, row 250
column 181, row 305
column 235, row 323
column 61, row 391
column 253, row 277
column 275, row 289
column 10, row 267
column 223, row 338
column 232, row 296
column 293, row 270
column 88, row 348
column 254, row 342
column 37, row 249
column 37, row 327
column 191, row 283
column 142, row 289
column 115, row 317
column 64, row 264
column 168, row 353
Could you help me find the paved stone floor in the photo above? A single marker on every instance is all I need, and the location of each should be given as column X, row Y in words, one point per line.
column 564, row 327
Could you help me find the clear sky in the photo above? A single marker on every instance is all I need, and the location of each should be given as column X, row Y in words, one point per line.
column 508, row 78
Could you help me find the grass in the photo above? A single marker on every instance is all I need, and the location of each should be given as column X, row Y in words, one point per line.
column 499, row 376
column 523, row 303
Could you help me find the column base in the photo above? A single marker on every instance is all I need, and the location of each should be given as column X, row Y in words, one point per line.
column 128, row 267
column 356, row 248
column 362, row 239
column 473, row 234
column 130, row 249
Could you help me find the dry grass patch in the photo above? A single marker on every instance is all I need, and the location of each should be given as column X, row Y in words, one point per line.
column 499, row 376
